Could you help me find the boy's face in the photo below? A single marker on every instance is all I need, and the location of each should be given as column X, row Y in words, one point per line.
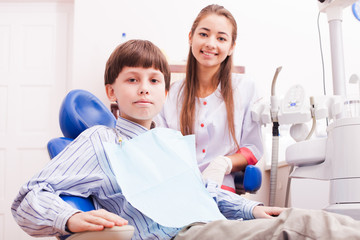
column 139, row 92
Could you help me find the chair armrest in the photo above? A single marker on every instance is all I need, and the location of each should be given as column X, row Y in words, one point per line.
column 252, row 178
column 115, row 233
column 248, row 180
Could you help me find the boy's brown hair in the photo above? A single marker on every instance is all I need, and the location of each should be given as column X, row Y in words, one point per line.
column 136, row 53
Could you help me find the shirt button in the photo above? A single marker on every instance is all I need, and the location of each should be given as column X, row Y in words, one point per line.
column 202, row 125
column 203, row 150
column 204, row 102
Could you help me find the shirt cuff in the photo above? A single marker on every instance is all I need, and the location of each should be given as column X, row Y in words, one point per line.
column 249, row 156
column 61, row 220
column 248, row 210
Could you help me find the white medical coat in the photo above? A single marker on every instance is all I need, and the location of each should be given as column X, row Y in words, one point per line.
column 211, row 128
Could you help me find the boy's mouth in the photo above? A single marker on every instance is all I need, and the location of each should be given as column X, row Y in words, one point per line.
column 143, row 102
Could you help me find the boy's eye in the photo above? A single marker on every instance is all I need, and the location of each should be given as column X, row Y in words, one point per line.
column 154, row 80
column 132, row 80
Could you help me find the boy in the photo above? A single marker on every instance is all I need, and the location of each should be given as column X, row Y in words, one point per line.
column 137, row 77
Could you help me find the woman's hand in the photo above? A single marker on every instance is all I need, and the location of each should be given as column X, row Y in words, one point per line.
column 267, row 212
column 217, row 169
column 95, row 220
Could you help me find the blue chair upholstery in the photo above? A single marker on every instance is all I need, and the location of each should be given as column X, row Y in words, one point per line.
column 56, row 145
column 248, row 180
column 81, row 203
column 79, row 110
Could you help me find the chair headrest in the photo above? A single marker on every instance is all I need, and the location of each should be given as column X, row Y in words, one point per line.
column 81, row 110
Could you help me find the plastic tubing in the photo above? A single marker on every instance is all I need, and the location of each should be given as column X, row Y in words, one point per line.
column 274, row 163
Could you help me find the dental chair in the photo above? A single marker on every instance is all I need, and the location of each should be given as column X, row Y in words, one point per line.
column 81, row 110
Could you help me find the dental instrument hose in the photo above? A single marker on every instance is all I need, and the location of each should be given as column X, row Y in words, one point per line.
column 274, row 162
column 275, row 140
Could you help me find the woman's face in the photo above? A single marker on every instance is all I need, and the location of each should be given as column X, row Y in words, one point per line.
column 211, row 41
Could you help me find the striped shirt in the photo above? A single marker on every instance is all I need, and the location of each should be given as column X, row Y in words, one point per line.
column 83, row 169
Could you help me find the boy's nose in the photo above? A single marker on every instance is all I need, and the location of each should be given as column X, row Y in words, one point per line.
column 143, row 89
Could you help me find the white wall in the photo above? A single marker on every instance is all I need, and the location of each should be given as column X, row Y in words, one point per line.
column 270, row 34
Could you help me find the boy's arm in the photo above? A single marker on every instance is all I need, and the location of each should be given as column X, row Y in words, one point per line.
column 38, row 209
column 231, row 205
column 40, row 212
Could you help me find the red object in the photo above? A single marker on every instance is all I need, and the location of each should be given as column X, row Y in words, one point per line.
column 249, row 156
column 230, row 189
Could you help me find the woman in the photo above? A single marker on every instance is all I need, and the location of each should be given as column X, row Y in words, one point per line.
column 213, row 103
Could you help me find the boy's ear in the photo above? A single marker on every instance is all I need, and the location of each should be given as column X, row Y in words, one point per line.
column 110, row 92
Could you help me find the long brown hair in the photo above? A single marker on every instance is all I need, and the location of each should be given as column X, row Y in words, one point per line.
column 223, row 76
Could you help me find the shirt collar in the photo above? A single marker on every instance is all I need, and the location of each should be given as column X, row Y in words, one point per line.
column 129, row 128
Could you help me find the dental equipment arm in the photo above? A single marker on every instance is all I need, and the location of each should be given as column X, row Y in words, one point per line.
column 275, row 139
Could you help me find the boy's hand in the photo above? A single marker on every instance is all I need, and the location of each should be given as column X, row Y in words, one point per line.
column 95, row 220
column 217, row 169
column 267, row 212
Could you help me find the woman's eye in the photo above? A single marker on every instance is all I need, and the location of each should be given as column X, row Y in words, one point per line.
column 222, row 39
column 203, row 34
